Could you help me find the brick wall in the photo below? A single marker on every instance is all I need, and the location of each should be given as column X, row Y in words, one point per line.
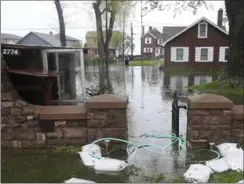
column 213, row 118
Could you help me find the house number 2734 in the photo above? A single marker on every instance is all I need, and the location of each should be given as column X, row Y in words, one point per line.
column 10, row 52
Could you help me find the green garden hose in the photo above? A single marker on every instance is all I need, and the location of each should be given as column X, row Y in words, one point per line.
column 132, row 147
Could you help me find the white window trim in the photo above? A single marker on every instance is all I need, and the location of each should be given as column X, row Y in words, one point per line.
column 184, row 59
column 181, row 60
column 206, row 35
column 201, row 54
column 160, row 41
column 205, row 61
column 148, row 50
column 148, row 39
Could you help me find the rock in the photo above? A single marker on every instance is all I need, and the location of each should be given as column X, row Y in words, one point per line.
column 75, row 132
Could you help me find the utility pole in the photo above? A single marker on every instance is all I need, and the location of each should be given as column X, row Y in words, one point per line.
column 123, row 46
column 131, row 42
column 106, row 32
column 141, row 33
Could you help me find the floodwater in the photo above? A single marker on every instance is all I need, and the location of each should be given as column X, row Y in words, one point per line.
column 149, row 111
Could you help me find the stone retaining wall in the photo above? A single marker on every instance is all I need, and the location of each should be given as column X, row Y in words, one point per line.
column 93, row 122
column 213, row 118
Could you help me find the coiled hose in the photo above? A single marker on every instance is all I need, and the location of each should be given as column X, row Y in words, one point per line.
column 132, row 147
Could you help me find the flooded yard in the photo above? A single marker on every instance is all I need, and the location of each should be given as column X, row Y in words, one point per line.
column 149, row 111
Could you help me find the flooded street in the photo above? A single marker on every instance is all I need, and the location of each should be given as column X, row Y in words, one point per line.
column 149, row 111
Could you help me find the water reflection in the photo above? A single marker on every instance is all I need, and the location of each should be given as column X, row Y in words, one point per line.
column 149, row 110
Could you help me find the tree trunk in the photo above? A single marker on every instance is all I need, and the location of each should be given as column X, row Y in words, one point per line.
column 109, row 34
column 61, row 23
column 235, row 13
column 100, row 36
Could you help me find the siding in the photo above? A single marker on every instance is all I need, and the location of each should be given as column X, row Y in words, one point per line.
column 216, row 39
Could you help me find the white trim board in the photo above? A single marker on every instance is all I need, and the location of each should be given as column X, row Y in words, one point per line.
column 195, row 23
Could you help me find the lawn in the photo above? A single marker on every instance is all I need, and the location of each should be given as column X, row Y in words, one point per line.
column 191, row 71
column 145, row 62
column 225, row 177
column 216, row 87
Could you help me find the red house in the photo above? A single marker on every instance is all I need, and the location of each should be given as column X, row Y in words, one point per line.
column 201, row 45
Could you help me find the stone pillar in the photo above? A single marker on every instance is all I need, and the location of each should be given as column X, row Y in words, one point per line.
column 106, row 117
column 209, row 119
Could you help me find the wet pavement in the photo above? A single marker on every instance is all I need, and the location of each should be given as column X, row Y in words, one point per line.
column 149, row 111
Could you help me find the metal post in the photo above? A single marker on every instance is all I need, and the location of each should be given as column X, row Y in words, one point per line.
column 82, row 72
column 131, row 41
column 141, row 31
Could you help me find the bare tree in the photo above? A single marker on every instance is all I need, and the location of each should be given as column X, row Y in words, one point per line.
column 61, row 22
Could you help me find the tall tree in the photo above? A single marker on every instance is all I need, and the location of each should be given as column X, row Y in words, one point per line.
column 61, row 22
column 235, row 14
column 115, row 10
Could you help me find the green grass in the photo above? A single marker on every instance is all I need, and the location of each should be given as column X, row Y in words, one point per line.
column 145, row 62
column 216, row 87
column 191, row 71
column 225, row 177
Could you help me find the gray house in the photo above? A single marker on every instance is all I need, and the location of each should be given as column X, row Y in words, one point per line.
column 43, row 39
column 9, row 38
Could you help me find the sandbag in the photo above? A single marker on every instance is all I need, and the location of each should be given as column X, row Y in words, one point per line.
column 77, row 180
column 197, row 173
column 219, row 165
column 92, row 148
column 235, row 160
column 224, row 147
column 90, row 153
column 87, row 159
column 109, row 164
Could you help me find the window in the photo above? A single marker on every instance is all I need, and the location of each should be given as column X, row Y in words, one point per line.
column 226, row 54
column 96, row 52
column 179, row 54
column 202, row 30
column 204, row 54
column 148, row 50
column 157, row 51
column 95, row 40
column 148, row 40
column 160, row 41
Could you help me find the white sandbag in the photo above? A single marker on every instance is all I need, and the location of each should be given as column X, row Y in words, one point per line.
column 235, row 160
column 234, row 151
column 90, row 153
column 223, row 148
column 242, row 181
column 87, row 159
column 92, row 148
column 197, row 173
column 77, row 180
column 109, row 164
column 219, row 165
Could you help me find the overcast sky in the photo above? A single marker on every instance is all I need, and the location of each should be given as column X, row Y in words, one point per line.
column 21, row 17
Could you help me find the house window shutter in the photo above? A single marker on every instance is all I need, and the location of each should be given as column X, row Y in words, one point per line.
column 222, row 54
column 210, row 54
column 197, row 53
column 173, row 54
column 186, row 54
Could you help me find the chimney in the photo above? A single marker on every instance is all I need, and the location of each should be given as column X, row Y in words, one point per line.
column 150, row 28
column 220, row 18
column 51, row 33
